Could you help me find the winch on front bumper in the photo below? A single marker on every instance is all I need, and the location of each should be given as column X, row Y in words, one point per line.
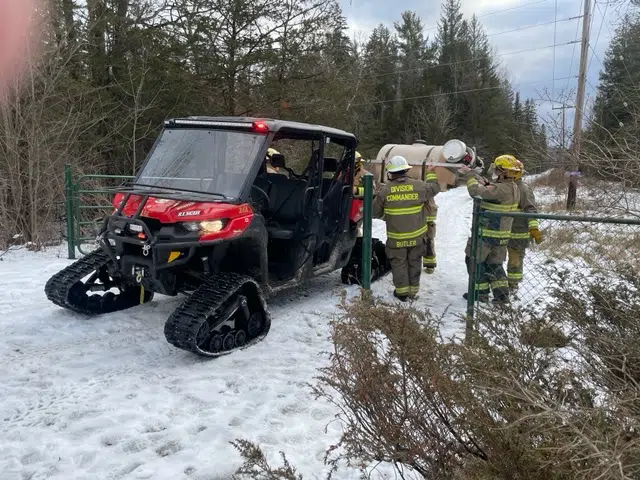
column 145, row 251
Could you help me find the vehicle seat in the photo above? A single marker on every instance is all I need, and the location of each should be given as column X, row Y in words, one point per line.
column 286, row 206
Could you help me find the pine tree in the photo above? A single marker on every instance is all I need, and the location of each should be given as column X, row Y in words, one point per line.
column 380, row 65
column 617, row 100
column 414, row 60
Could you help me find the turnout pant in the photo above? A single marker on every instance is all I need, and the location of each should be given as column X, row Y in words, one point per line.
column 490, row 275
column 406, row 268
column 516, row 250
column 429, row 259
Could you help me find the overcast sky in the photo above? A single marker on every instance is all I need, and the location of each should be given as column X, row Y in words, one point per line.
column 530, row 72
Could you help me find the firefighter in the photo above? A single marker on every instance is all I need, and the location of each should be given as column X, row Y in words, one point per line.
column 501, row 196
column 267, row 160
column 401, row 203
column 358, row 184
column 429, row 260
column 522, row 231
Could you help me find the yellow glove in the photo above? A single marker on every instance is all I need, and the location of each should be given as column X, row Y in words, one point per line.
column 536, row 235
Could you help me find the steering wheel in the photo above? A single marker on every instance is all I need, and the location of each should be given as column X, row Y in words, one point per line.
column 265, row 198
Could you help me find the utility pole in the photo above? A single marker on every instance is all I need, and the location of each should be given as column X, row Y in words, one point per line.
column 563, row 108
column 577, row 120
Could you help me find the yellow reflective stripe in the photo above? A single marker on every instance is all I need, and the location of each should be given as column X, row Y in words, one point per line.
column 429, row 259
column 500, row 284
column 485, row 232
column 402, row 290
column 482, row 286
column 472, row 181
column 533, row 224
column 520, row 236
column 408, row 235
column 514, row 276
column 360, row 191
column 414, row 289
column 403, row 211
column 495, row 207
column 431, row 219
column 431, row 176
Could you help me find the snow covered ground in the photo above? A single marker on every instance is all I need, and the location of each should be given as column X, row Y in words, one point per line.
column 109, row 398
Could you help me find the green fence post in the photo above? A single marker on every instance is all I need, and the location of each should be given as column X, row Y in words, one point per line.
column 366, row 231
column 471, row 286
column 68, row 192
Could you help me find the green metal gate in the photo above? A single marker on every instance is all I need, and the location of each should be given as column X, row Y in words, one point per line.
column 87, row 201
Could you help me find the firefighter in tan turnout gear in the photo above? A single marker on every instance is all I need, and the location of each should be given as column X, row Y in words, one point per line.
column 358, row 182
column 401, row 203
column 522, row 231
column 429, row 259
column 495, row 232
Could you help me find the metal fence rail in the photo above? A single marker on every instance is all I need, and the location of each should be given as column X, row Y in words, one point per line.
column 87, row 199
column 572, row 246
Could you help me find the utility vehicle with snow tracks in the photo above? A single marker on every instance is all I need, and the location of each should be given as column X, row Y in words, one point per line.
column 205, row 218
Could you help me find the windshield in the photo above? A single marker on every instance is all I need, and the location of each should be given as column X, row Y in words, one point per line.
column 211, row 161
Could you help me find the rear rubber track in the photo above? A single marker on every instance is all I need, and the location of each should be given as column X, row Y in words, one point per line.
column 380, row 266
column 59, row 287
column 184, row 327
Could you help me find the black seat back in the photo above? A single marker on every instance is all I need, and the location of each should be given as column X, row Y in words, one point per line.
column 287, row 198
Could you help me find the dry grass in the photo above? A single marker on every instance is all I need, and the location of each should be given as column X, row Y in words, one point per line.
column 554, row 179
column 599, row 246
column 535, row 396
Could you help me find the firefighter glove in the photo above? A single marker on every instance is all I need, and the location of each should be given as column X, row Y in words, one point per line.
column 536, row 235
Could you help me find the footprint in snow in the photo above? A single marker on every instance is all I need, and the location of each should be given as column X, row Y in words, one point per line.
column 168, row 449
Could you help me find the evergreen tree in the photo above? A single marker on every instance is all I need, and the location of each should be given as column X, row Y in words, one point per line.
column 617, row 101
column 415, row 58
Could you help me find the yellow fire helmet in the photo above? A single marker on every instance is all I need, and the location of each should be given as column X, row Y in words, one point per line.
column 358, row 161
column 508, row 165
column 520, row 172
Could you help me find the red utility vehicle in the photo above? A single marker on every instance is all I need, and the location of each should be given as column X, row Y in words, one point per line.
column 203, row 217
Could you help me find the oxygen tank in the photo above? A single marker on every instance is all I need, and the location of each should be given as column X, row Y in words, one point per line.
column 447, row 158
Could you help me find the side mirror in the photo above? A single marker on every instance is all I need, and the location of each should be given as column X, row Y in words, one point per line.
column 330, row 164
column 277, row 160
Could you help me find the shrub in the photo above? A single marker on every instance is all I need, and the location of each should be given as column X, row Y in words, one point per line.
column 551, row 395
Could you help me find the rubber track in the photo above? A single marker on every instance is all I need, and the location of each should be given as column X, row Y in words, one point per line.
column 182, row 326
column 57, row 287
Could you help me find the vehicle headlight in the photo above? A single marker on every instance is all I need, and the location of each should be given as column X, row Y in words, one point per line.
column 213, row 226
column 210, row 226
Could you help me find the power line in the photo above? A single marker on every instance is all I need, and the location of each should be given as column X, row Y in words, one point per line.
column 502, row 32
column 624, row 97
column 573, row 54
column 499, row 11
column 604, row 103
column 430, row 67
column 599, row 29
column 555, row 28
column 445, row 94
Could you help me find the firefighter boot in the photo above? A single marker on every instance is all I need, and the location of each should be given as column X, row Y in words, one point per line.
column 401, row 297
column 482, row 297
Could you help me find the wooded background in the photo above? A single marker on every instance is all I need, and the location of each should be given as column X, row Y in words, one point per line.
column 109, row 72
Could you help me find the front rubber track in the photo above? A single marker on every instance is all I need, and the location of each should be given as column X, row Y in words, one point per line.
column 65, row 289
column 185, row 323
